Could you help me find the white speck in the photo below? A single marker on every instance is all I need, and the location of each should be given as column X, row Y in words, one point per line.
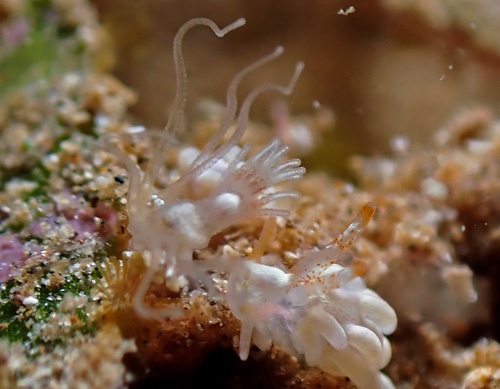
column 72, row 80
column 479, row 146
column 316, row 104
column 101, row 120
column 462, row 228
column 127, row 254
column 30, row 301
column 158, row 203
column 135, row 129
column 447, row 258
column 347, row 11
column 450, row 67
column 400, row 143
column 442, row 77
column 434, row 188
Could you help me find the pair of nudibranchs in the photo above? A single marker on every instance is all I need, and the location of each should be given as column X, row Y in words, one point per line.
column 321, row 309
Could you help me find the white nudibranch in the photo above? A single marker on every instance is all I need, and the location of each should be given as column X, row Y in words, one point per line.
column 168, row 224
column 320, row 311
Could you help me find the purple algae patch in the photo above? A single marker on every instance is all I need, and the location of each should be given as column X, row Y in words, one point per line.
column 11, row 253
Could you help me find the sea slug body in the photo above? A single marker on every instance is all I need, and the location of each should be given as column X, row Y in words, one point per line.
column 320, row 311
column 168, row 224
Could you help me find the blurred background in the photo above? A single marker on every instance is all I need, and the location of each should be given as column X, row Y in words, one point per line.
column 384, row 67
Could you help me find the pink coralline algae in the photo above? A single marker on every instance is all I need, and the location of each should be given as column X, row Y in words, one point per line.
column 11, row 252
column 15, row 32
column 69, row 224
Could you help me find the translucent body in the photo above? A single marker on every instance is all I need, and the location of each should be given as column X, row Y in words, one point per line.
column 168, row 224
column 321, row 310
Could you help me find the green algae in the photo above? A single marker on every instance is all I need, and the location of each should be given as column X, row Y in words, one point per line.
column 16, row 327
column 46, row 51
column 16, row 322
